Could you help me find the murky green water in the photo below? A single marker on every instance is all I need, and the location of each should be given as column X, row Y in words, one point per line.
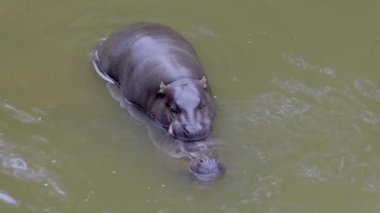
column 297, row 85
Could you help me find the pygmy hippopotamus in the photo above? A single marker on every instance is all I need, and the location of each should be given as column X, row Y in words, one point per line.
column 159, row 71
column 206, row 168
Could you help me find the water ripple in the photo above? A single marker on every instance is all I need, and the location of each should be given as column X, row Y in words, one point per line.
column 304, row 65
column 8, row 199
column 367, row 88
column 23, row 169
column 322, row 132
column 22, row 116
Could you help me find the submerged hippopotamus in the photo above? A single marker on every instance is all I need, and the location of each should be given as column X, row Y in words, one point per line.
column 204, row 164
column 206, row 168
column 159, row 71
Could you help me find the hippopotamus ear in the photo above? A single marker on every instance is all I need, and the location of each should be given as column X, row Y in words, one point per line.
column 162, row 88
column 203, row 82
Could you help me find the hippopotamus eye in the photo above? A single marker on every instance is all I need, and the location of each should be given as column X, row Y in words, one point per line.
column 174, row 108
column 202, row 105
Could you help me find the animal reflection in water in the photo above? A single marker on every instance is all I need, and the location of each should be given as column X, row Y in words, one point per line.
column 204, row 163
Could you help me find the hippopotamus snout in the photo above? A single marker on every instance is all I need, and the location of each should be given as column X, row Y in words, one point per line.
column 189, row 132
column 189, row 108
column 194, row 131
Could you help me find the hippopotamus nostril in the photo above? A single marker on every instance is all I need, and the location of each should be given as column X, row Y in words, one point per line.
column 191, row 130
column 195, row 131
column 188, row 130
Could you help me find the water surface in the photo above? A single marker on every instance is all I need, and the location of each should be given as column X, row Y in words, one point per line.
column 297, row 88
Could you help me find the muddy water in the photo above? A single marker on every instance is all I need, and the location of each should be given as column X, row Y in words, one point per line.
column 297, row 90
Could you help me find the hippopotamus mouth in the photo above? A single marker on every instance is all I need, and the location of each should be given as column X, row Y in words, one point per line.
column 185, row 137
column 190, row 139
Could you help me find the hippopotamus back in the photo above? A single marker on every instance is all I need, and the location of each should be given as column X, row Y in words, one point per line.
column 159, row 71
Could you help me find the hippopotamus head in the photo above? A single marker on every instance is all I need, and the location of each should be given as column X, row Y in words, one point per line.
column 206, row 168
column 188, row 109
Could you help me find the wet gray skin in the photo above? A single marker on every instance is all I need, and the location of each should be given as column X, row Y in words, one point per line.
column 206, row 168
column 158, row 71
column 204, row 164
